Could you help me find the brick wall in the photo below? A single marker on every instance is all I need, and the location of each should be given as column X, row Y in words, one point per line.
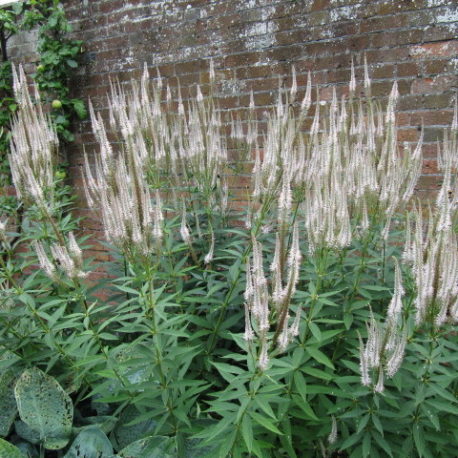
column 253, row 42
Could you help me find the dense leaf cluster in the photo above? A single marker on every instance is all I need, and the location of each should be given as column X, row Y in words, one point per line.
column 160, row 367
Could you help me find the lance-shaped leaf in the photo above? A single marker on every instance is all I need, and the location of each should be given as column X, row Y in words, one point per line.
column 45, row 407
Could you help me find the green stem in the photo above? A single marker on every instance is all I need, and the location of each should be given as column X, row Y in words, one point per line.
column 234, row 283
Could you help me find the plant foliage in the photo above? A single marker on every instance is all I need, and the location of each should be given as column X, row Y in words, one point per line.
column 312, row 317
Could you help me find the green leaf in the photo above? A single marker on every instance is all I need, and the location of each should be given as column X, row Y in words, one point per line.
column 25, row 432
column 265, row 422
column 234, row 270
column 418, row 439
column 71, row 63
column 319, row 356
column 263, row 403
column 315, row 331
column 227, row 444
column 349, row 441
column 377, row 424
column 443, row 406
column 90, row 442
column 385, row 446
column 362, row 423
column 8, row 408
column 348, row 320
column 228, row 368
column 317, row 373
column 8, row 450
column 366, row 444
column 126, row 433
column 45, row 407
column 247, row 432
column 150, row 447
column 305, row 407
column 300, row 384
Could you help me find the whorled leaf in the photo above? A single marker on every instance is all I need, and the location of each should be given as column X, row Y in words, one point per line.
column 45, row 407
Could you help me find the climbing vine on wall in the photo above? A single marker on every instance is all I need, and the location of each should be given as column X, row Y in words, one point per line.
column 58, row 57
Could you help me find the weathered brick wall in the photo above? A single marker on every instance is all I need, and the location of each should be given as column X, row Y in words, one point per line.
column 253, row 42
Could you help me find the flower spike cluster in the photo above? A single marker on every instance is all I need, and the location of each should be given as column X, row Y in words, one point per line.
column 178, row 150
column 383, row 352
column 347, row 162
column 33, row 147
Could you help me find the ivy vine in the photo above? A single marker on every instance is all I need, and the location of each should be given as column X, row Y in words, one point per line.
column 58, row 57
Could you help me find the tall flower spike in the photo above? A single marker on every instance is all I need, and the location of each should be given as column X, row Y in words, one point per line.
column 395, row 360
column 294, row 329
column 307, row 100
column 395, row 307
column 352, row 85
column 75, row 250
column 249, row 334
column 209, row 256
column 367, row 80
column 283, row 338
column 45, row 263
column 252, row 105
column 379, row 387
column 263, row 361
column 184, row 231
column 293, row 90
column 212, row 70
column 373, row 344
column 363, row 364
column 333, row 434
column 249, row 290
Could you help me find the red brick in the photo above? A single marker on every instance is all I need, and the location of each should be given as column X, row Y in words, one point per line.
column 434, row 50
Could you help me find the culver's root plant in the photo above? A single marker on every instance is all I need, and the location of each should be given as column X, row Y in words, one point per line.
column 316, row 320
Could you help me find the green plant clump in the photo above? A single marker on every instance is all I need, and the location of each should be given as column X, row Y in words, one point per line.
column 309, row 314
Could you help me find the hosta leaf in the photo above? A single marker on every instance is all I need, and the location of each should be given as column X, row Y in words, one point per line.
column 24, row 431
column 8, row 450
column 195, row 449
column 8, row 408
column 91, row 442
column 45, row 407
column 125, row 434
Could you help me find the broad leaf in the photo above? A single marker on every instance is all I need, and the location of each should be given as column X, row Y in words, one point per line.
column 45, row 407
column 90, row 443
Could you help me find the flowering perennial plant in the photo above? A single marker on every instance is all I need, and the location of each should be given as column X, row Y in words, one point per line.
column 316, row 317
